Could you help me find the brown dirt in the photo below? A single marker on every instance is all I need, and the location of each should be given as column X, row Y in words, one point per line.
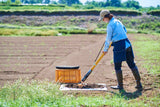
column 84, row 86
column 37, row 57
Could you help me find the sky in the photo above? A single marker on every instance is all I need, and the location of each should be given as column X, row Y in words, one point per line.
column 143, row 3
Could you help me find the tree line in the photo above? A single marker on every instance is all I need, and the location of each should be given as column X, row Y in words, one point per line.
column 115, row 3
column 76, row 3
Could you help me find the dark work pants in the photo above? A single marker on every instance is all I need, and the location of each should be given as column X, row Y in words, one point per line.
column 129, row 60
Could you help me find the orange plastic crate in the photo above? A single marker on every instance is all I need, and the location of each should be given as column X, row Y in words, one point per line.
column 68, row 75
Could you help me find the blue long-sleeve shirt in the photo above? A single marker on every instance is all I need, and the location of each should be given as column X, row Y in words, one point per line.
column 116, row 31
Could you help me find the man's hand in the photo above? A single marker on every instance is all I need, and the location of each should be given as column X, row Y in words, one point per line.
column 104, row 52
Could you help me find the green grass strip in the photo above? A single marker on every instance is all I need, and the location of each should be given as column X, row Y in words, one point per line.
column 148, row 48
column 27, row 32
column 46, row 94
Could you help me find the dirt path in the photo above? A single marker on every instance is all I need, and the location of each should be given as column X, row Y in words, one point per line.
column 36, row 58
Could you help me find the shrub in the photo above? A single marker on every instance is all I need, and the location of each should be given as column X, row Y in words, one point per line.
column 154, row 12
column 9, row 2
column 73, row 31
column 57, row 5
column 141, row 31
column 17, row 2
column 158, row 31
column 89, row 7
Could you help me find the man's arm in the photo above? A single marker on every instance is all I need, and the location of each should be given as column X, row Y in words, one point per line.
column 108, row 38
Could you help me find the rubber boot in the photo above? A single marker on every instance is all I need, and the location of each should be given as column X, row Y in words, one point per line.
column 119, row 80
column 137, row 77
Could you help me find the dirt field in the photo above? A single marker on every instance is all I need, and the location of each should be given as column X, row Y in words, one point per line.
column 36, row 58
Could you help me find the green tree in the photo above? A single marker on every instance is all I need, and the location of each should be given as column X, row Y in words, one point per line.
column 97, row 4
column 47, row 1
column 108, row 3
column 116, row 3
column 9, row 2
column 69, row 2
column 33, row 1
column 132, row 3
column 53, row 2
column 17, row 2
column 13, row 0
column 62, row 1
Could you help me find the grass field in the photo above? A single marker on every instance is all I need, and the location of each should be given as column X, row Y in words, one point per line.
column 44, row 93
column 149, row 52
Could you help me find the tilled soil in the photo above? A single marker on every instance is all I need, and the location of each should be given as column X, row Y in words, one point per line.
column 26, row 57
column 37, row 58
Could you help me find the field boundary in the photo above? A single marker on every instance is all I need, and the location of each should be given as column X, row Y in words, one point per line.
column 154, row 12
column 70, row 12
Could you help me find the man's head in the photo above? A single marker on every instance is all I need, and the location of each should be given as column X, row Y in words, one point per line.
column 105, row 15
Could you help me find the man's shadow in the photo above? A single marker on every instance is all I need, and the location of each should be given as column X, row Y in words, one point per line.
column 128, row 95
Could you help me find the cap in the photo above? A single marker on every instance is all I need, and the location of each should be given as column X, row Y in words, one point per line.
column 103, row 13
